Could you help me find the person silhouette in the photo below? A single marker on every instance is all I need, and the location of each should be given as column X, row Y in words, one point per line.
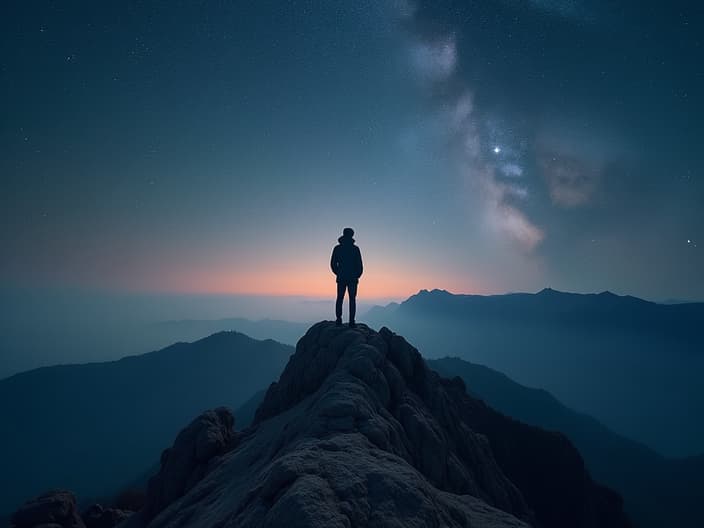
column 346, row 264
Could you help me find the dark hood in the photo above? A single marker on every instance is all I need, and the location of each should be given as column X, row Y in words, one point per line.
column 345, row 240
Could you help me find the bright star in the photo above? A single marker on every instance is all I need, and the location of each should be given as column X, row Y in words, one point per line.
column 497, row 150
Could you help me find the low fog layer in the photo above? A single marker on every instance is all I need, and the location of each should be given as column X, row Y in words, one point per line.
column 48, row 327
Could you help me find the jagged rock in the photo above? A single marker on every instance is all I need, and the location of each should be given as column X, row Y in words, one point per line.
column 55, row 509
column 186, row 462
column 97, row 516
column 359, row 432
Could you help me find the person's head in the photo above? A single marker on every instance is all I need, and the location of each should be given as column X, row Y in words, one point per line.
column 348, row 232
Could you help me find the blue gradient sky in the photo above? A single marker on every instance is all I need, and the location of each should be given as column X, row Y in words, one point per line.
column 221, row 147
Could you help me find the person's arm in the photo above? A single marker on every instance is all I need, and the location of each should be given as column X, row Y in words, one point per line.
column 360, row 267
column 334, row 262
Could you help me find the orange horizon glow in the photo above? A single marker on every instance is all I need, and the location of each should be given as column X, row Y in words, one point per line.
column 305, row 287
column 301, row 281
column 265, row 275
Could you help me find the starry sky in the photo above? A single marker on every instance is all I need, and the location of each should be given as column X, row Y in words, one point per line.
column 477, row 146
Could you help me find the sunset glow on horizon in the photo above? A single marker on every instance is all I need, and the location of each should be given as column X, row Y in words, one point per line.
column 229, row 161
column 380, row 280
column 314, row 285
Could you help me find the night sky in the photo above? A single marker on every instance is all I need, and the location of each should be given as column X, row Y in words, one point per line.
column 480, row 147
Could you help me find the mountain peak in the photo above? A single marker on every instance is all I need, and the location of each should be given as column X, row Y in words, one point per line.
column 435, row 292
column 549, row 291
column 359, row 431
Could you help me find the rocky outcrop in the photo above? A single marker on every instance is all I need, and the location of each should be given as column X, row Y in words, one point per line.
column 187, row 461
column 359, row 432
column 54, row 509
column 58, row 509
column 98, row 516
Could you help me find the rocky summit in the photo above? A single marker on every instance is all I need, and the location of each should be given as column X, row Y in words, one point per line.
column 58, row 509
column 358, row 431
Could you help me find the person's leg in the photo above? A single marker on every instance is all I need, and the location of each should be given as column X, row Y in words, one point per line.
column 352, row 290
column 338, row 301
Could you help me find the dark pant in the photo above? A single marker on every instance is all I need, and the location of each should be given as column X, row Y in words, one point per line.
column 351, row 287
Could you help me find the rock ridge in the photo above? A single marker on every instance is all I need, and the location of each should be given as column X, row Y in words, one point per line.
column 358, row 431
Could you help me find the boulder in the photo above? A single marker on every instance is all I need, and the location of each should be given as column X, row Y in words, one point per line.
column 96, row 516
column 56, row 509
column 186, row 462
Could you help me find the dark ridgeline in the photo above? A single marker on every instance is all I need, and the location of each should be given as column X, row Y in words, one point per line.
column 346, row 264
column 637, row 472
column 632, row 364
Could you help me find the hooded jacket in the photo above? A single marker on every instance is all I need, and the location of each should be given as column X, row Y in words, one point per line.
column 346, row 260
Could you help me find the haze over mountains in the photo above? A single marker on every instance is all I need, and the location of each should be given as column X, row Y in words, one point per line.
column 633, row 354
column 610, row 356
column 633, row 364
column 657, row 491
column 45, row 327
column 133, row 407
column 98, row 426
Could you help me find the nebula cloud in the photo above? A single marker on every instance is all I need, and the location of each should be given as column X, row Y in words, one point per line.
column 571, row 181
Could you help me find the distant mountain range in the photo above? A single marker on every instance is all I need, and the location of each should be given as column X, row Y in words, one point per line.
column 657, row 491
column 97, row 426
column 33, row 335
column 633, row 364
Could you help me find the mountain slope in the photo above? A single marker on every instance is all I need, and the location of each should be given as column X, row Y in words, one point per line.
column 285, row 332
column 657, row 491
column 358, row 431
column 572, row 344
column 74, row 426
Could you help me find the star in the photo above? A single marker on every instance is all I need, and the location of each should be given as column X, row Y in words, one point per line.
column 497, row 149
